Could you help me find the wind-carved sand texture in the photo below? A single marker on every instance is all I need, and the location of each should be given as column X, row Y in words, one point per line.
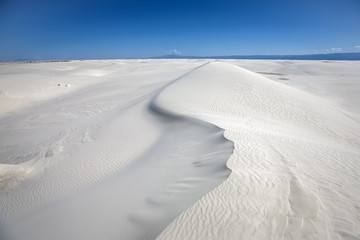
column 134, row 148
column 295, row 167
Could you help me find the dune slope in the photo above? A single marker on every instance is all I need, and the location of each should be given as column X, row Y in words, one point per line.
column 295, row 167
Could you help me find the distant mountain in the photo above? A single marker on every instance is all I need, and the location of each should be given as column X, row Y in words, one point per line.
column 330, row 56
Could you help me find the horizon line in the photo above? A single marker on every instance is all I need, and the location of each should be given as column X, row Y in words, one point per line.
column 313, row 56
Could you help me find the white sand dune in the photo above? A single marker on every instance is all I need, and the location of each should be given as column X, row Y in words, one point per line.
column 104, row 149
column 295, row 168
column 129, row 145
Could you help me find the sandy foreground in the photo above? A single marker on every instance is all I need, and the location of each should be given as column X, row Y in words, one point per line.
column 180, row 149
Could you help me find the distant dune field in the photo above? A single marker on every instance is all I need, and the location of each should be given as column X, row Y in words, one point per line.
column 180, row 149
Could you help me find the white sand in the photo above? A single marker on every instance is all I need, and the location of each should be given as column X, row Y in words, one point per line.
column 336, row 81
column 100, row 153
column 118, row 153
column 295, row 169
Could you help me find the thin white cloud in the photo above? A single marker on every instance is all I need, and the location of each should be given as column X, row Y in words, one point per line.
column 358, row 47
column 336, row 49
column 175, row 52
column 330, row 50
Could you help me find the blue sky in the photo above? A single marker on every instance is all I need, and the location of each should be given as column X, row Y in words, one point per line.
column 70, row 29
